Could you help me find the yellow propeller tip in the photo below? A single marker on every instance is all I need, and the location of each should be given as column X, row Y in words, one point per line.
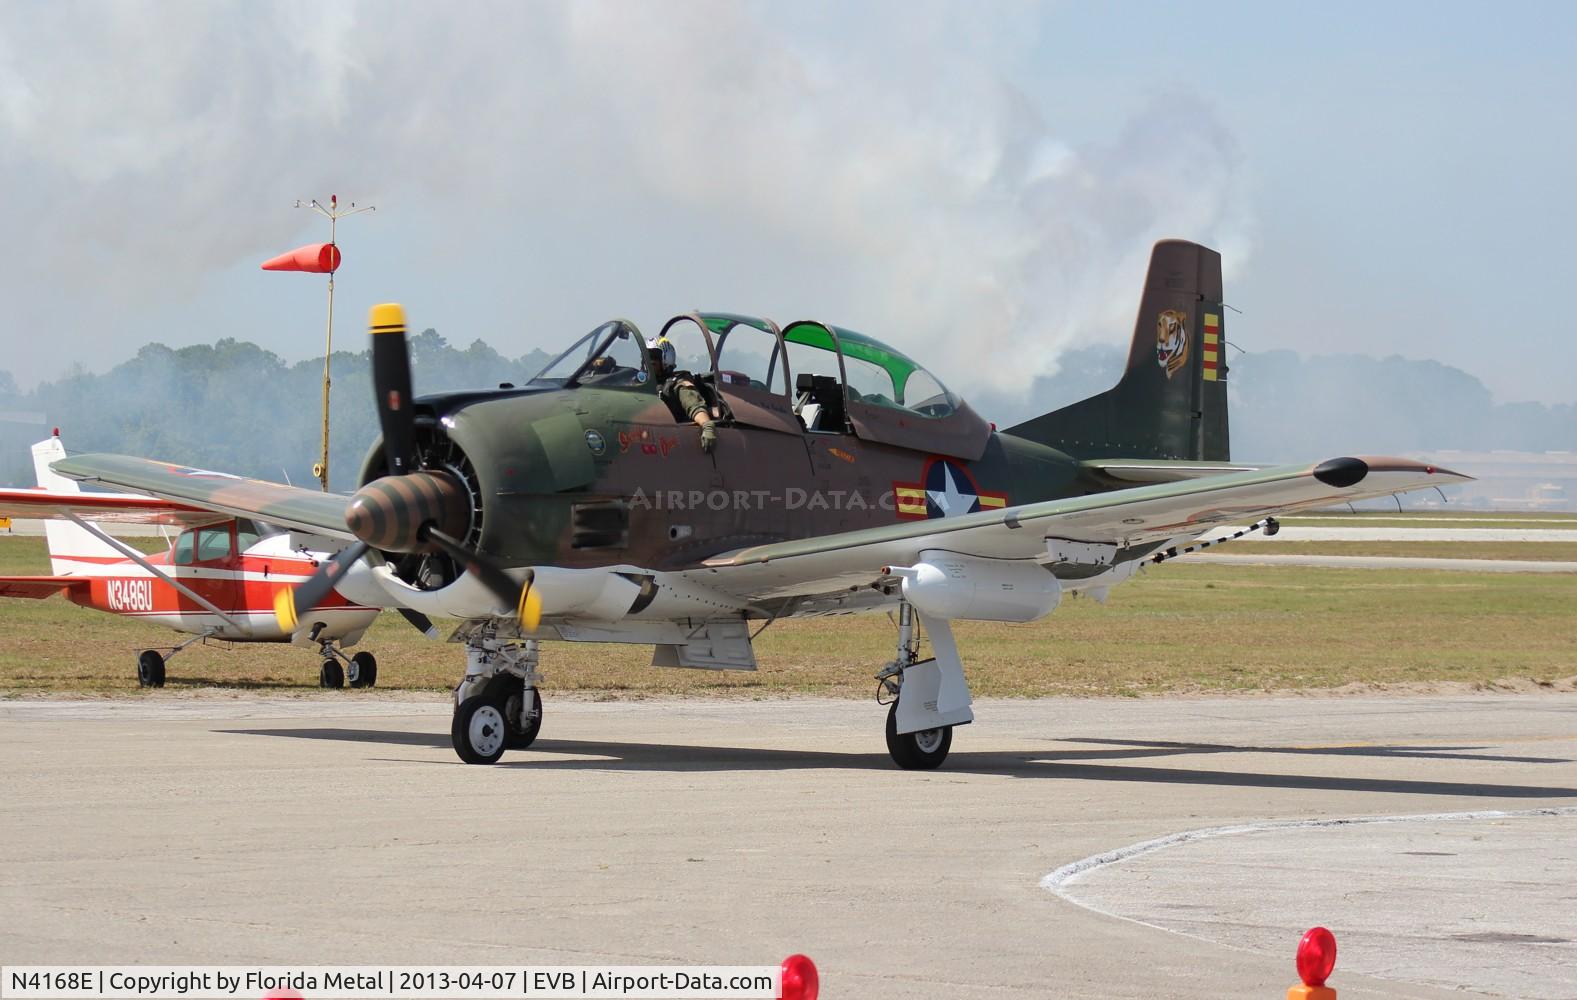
column 285, row 609
column 530, row 609
column 387, row 317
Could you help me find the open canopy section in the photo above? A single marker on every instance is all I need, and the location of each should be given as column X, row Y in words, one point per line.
column 888, row 396
column 876, row 373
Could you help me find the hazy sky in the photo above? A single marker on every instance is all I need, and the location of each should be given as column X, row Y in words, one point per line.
column 978, row 183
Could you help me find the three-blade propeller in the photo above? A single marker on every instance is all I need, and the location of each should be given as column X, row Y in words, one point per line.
column 410, row 509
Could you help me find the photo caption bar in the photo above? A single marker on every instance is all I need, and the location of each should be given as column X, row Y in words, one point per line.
column 390, row 982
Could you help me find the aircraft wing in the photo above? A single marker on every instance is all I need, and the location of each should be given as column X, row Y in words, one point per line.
column 1125, row 518
column 39, row 587
column 199, row 489
column 43, row 504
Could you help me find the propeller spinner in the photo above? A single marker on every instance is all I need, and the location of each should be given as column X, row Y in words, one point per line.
column 410, row 509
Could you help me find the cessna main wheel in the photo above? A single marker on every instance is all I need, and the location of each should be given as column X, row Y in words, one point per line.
column 363, row 671
column 150, row 669
column 479, row 731
column 922, row 751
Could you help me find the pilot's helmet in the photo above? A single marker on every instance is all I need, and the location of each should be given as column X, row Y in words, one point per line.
column 663, row 350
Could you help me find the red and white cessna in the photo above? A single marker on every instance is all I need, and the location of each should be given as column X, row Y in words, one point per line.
column 219, row 579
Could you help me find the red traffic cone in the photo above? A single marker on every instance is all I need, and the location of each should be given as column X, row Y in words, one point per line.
column 316, row 258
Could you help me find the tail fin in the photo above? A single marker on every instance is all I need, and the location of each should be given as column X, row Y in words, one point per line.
column 73, row 551
column 1171, row 402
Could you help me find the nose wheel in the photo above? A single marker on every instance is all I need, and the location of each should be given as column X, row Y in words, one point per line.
column 497, row 704
column 478, row 731
column 359, row 671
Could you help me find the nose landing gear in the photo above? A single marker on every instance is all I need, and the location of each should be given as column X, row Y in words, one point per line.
column 497, row 704
column 360, row 670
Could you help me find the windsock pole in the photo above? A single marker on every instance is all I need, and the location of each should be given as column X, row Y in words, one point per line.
column 333, row 213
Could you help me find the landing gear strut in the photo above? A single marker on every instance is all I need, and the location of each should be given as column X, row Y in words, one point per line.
column 918, row 751
column 497, row 704
column 360, row 670
column 150, row 662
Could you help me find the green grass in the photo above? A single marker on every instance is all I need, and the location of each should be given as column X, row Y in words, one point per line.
column 1178, row 628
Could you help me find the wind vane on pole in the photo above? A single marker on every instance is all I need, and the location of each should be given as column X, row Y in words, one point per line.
column 321, row 258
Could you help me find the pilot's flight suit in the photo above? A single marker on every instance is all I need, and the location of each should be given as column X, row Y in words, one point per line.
column 684, row 397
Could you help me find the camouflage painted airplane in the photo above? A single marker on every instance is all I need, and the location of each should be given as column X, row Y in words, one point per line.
column 845, row 478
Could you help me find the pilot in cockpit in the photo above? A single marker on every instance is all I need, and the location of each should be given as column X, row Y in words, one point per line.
column 679, row 390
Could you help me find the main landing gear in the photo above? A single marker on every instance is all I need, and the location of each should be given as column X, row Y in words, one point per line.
column 497, row 704
column 150, row 662
column 929, row 697
column 360, row 670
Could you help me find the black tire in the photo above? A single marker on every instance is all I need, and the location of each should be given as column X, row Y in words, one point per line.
column 478, row 731
column 331, row 675
column 150, row 669
column 363, row 670
column 922, row 751
column 521, row 738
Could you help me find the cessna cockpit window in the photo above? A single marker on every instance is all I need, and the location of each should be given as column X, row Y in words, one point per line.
column 213, row 543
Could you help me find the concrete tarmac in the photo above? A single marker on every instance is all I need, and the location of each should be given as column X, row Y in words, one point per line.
column 340, row 829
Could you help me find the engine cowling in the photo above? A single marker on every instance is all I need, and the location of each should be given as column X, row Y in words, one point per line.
column 952, row 586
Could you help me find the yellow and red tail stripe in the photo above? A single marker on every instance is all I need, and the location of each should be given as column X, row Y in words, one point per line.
column 911, row 501
column 1212, row 351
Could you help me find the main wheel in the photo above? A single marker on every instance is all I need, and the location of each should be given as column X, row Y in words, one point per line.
column 363, row 670
column 331, row 675
column 479, row 731
column 921, row 751
column 150, row 669
column 521, row 737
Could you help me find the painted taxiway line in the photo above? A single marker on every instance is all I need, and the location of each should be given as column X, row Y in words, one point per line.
column 1384, row 562
column 1056, row 880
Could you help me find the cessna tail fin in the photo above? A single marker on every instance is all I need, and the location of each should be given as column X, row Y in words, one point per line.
column 1171, row 402
column 73, row 551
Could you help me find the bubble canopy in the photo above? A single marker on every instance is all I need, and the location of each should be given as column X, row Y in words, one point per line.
column 887, row 396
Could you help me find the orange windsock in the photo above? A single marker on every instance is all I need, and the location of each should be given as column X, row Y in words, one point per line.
column 318, row 258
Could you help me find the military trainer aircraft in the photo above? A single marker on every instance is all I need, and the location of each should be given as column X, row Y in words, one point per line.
column 845, row 478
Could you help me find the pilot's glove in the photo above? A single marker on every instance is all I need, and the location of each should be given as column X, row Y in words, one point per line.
column 708, row 436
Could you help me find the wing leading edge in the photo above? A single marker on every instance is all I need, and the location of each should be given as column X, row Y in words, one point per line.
column 286, row 506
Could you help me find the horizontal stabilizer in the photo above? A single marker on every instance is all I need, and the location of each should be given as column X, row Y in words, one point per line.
column 40, row 587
